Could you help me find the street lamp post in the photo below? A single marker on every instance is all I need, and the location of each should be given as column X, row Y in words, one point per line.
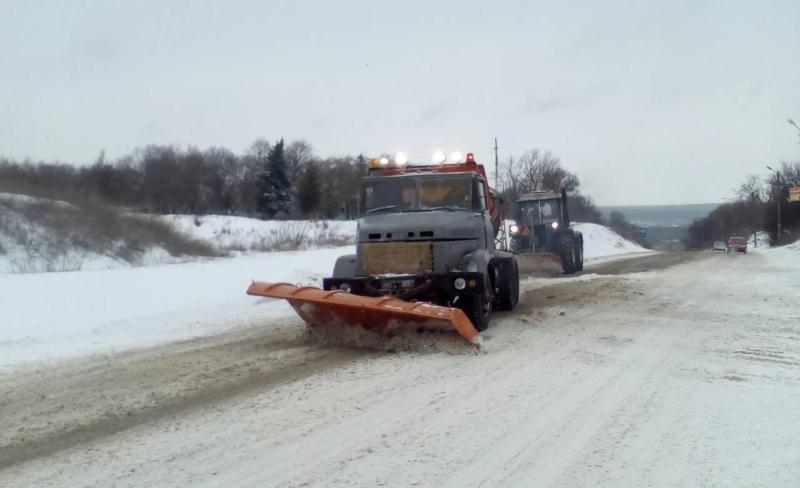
column 779, row 197
column 755, row 231
column 794, row 124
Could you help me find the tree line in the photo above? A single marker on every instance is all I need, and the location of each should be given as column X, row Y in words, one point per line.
column 280, row 180
column 755, row 207
column 269, row 181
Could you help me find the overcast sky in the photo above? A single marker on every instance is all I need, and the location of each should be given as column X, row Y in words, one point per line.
column 648, row 102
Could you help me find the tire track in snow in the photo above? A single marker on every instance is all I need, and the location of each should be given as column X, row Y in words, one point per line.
column 559, row 431
column 190, row 375
column 326, row 448
column 563, row 432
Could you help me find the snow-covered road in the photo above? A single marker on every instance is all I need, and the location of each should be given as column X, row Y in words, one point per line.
column 688, row 376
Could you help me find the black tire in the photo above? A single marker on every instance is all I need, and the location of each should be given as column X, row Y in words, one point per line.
column 579, row 260
column 507, row 285
column 478, row 307
column 568, row 257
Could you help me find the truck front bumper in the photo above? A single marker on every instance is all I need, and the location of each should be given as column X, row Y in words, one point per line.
column 433, row 286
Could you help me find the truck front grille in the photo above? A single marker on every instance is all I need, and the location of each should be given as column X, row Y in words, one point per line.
column 382, row 258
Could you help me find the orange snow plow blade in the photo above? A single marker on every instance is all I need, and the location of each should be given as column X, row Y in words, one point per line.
column 386, row 315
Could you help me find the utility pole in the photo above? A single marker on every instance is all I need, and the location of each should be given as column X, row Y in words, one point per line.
column 755, row 235
column 501, row 242
column 779, row 197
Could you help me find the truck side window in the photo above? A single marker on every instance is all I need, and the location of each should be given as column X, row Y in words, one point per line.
column 480, row 192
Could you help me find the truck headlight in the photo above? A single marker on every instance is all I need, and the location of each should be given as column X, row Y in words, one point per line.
column 555, row 225
column 514, row 228
column 460, row 283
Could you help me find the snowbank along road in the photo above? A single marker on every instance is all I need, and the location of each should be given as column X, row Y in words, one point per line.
column 683, row 376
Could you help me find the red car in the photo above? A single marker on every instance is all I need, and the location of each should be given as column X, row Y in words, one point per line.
column 738, row 244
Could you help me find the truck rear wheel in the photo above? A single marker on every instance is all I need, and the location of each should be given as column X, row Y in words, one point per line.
column 579, row 260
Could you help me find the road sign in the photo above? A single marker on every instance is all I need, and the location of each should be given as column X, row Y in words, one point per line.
column 794, row 193
column 643, row 232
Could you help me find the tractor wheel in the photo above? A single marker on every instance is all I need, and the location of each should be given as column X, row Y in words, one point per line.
column 479, row 306
column 579, row 260
column 568, row 257
column 507, row 285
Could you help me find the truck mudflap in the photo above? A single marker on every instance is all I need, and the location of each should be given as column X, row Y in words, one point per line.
column 385, row 314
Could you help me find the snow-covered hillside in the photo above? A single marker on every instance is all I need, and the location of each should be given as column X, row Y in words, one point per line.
column 601, row 242
column 42, row 235
column 760, row 240
column 228, row 233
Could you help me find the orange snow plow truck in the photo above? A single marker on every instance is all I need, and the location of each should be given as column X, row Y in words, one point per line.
column 425, row 255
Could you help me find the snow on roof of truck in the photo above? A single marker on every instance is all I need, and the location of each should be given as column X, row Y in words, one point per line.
column 422, row 173
column 538, row 195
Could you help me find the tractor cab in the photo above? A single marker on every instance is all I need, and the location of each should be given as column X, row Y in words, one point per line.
column 541, row 235
column 538, row 217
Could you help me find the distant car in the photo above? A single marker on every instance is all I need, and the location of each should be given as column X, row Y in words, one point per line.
column 719, row 246
column 737, row 244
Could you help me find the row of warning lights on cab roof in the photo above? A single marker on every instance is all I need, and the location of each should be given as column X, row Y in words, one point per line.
column 439, row 157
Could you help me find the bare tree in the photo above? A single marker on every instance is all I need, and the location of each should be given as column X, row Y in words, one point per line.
column 536, row 171
column 308, row 190
column 259, row 150
column 224, row 179
column 297, row 154
column 752, row 189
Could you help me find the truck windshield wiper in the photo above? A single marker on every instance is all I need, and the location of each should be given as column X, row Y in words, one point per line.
column 378, row 209
column 447, row 207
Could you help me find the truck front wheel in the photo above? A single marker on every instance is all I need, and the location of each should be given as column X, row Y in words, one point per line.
column 507, row 285
column 478, row 307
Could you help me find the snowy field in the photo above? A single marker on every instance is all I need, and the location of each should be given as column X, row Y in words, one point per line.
column 52, row 315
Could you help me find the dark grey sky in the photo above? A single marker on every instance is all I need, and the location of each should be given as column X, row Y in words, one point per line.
column 649, row 102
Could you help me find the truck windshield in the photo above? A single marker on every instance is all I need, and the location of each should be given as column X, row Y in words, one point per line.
column 396, row 194
column 417, row 193
column 453, row 192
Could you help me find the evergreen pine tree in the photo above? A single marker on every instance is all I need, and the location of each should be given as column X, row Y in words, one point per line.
column 361, row 165
column 275, row 187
